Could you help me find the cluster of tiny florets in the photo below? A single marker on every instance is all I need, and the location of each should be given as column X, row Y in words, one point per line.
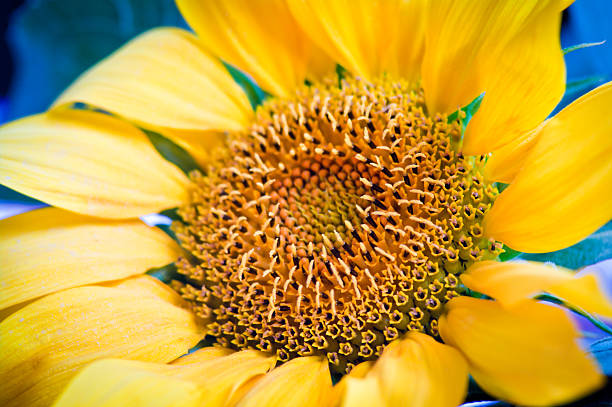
column 341, row 220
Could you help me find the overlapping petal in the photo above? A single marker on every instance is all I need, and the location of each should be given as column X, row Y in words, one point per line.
column 367, row 39
column 260, row 37
column 362, row 392
column 303, row 381
column 116, row 383
column 44, row 343
column 527, row 354
column 508, row 49
column 563, row 192
column 165, row 81
column 512, row 282
column 420, row 372
column 88, row 163
column 220, row 377
column 47, row 250
column 505, row 162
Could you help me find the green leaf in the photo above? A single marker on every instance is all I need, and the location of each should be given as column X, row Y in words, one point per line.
column 593, row 249
column 469, row 110
column 54, row 41
column 255, row 94
column 573, row 48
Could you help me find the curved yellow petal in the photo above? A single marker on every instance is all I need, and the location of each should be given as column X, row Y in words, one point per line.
column 147, row 286
column 163, row 78
column 88, row 163
column 44, row 344
column 340, row 392
column 584, row 292
column 367, row 39
column 115, row 383
column 527, row 355
column 505, row 163
column 362, row 392
column 511, row 282
column 563, row 192
column 412, row 372
column 259, row 37
column 49, row 249
column 202, row 355
column 303, row 381
column 508, row 49
column 221, row 377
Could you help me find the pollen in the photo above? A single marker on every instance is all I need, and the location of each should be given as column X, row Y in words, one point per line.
column 340, row 221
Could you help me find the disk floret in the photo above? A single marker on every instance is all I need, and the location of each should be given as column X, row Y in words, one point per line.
column 341, row 220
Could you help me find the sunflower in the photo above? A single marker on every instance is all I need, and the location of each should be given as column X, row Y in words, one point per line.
column 337, row 245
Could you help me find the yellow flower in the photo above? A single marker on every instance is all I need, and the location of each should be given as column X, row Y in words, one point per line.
column 338, row 230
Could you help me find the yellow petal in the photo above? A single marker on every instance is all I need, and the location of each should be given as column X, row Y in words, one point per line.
column 220, row 377
column 243, row 389
column 367, row 39
column 303, row 381
column 362, row 392
column 115, row 383
column 508, row 49
column 340, row 391
column 526, row 355
column 511, row 282
column 585, row 292
column 145, row 285
column 47, row 250
column 43, row 344
column 563, row 192
column 505, row 162
column 163, row 78
column 202, row 355
column 88, row 163
column 259, row 37
column 413, row 372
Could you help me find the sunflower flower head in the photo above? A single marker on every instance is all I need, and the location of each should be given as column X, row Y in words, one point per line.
column 342, row 220
column 348, row 228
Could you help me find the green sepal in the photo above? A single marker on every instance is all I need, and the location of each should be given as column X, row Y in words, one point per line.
column 577, row 310
column 578, row 86
column 173, row 215
column 341, row 72
column 501, row 186
column 165, row 274
column 509, row 254
column 573, row 48
column 469, row 110
column 172, row 152
column 255, row 94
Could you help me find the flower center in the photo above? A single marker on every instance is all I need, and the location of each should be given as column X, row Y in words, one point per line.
column 340, row 221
